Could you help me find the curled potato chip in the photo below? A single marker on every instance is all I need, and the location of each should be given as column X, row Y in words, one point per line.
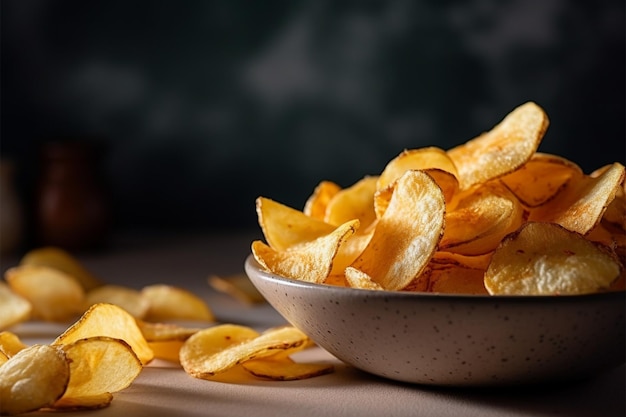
column 168, row 302
column 14, row 308
column 316, row 204
column 168, row 350
column 579, row 207
column 359, row 279
column 128, row 298
column 481, row 218
column 309, row 261
column 218, row 349
column 407, row 235
column 547, row 259
column 159, row 332
column 92, row 402
column 474, row 262
column 53, row 294
column 547, row 173
column 354, row 202
column 100, row 365
column 285, row 369
column 284, row 227
column 457, row 279
column 503, row 149
column 108, row 320
column 57, row 258
column 34, row 378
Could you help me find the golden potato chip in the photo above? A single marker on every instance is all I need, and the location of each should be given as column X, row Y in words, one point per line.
column 407, row 235
column 284, row 227
column 579, row 207
column 349, row 250
column 237, row 286
column 11, row 344
column 3, row 359
column 168, row 302
column 108, row 320
column 203, row 363
column 205, row 344
column 34, row 378
column 354, row 202
column 14, row 308
column 481, row 218
column 92, row 402
column 316, row 204
column 128, row 298
column 309, row 261
column 541, row 178
column 468, row 261
column 57, row 258
column 503, row 149
column 435, row 161
column 285, row 369
column 53, row 294
column 547, row 259
column 100, row 365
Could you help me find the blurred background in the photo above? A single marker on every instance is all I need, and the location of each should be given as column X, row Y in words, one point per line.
column 180, row 113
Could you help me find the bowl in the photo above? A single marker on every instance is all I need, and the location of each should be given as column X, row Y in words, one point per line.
column 454, row 340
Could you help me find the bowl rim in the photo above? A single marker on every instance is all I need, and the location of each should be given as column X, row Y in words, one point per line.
column 251, row 264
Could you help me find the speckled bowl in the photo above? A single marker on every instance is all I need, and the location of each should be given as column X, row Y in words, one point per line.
column 454, row 340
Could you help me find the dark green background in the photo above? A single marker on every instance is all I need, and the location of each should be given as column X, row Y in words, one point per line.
column 201, row 106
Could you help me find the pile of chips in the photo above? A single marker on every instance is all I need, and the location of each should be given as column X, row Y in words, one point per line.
column 490, row 216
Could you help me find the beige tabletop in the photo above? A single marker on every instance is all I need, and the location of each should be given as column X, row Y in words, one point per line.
column 164, row 389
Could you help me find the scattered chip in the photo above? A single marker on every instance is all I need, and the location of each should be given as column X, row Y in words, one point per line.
column 14, row 308
column 53, row 294
column 11, row 344
column 168, row 302
column 161, row 332
column 547, row 259
column 35, row 377
column 218, row 349
column 108, row 320
column 285, row 369
column 57, row 258
column 99, row 365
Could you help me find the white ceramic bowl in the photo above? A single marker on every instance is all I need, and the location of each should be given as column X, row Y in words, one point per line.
column 454, row 340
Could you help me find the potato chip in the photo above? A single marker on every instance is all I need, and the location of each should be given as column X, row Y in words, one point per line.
column 100, row 365
column 309, row 261
column 168, row 350
column 11, row 344
column 128, row 298
column 547, row 173
column 168, row 302
column 547, row 259
column 57, row 258
column 354, row 202
column 14, row 308
column 34, row 378
column 224, row 353
column 285, row 369
column 284, row 227
column 237, row 286
column 316, row 204
column 407, row 235
column 444, row 258
column 481, row 218
column 502, row 150
column 579, row 207
column 108, row 320
column 435, row 161
column 53, row 294
column 349, row 250
column 205, row 344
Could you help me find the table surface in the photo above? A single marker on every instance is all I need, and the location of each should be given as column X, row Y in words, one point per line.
column 164, row 389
